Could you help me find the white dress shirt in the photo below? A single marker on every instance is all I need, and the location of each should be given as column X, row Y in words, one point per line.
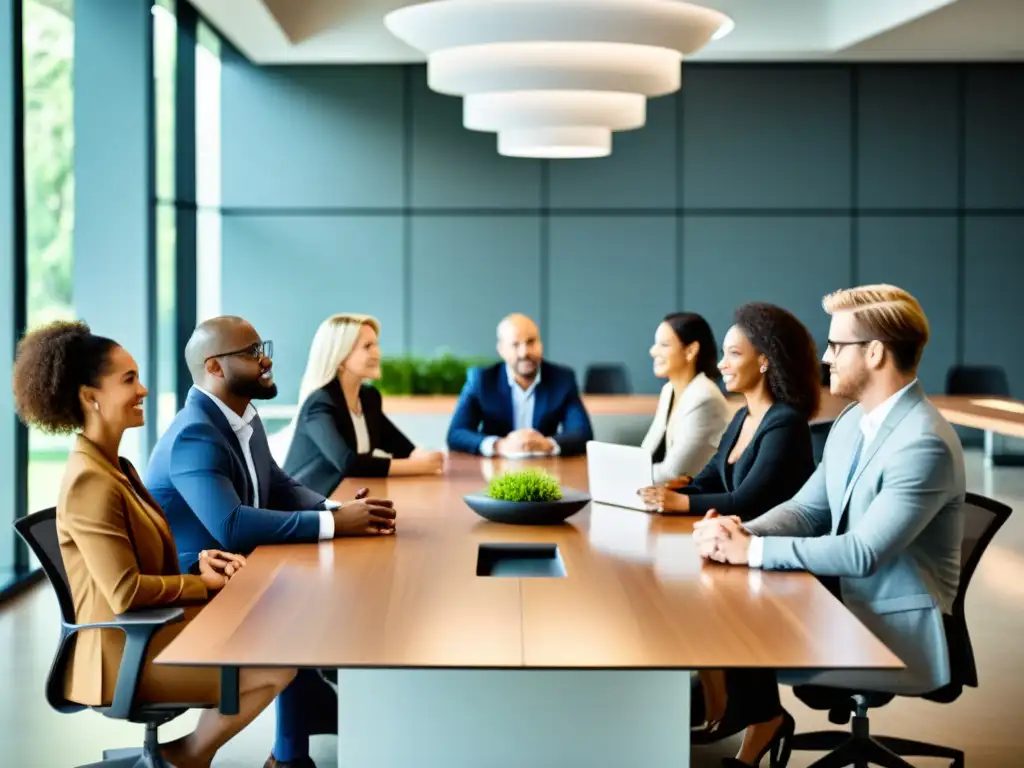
column 870, row 423
column 523, row 401
column 362, row 433
column 242, row 427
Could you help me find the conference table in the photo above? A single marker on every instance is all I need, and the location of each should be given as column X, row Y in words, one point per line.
column 586, row 664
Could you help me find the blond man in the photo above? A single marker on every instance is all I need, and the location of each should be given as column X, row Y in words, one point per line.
column 882, row 514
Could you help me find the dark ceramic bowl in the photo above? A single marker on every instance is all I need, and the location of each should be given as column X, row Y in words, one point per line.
column 528, row 512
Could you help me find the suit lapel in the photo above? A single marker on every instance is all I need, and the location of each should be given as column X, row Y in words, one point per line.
column 728, row 443
column 207, row 406
column 139, row 503
column 903, row 406
column 540, row 402
column 342, row 418
column 260, row 450
column 505, row 398
column 371, row 415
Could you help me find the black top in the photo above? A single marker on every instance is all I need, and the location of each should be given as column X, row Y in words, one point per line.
column 323, row 449
column 776, row 464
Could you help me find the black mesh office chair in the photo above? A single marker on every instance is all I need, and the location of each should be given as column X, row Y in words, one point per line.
column 988, row 380
column 39, row 531
column 819, row 435
column 983, row 517
column 607, row 379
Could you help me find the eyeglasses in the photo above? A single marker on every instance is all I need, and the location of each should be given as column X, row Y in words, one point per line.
column 835, row 346
column 256, row 351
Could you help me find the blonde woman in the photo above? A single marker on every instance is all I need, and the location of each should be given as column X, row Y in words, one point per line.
column 340, row 429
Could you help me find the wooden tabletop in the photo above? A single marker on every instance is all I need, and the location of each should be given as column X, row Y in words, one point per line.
column 635, row 595
column 996, row 414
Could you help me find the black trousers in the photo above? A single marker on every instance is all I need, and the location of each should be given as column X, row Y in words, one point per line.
column 752, row 696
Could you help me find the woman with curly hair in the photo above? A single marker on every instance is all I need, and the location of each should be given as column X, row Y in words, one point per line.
column 765, row 455
column 764, row 458
column 115, row 542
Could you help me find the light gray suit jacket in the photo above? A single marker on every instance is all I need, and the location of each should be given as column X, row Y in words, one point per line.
column 692, row 431
column 901, row 517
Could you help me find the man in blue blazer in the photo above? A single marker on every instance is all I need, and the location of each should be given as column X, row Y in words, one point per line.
column 516, row 407
column 220, row 488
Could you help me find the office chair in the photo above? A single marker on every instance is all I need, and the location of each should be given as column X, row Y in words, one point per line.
column 977, row 380
column 39, row 532
column 606, row 379
column 819, row 436
column 983, row 517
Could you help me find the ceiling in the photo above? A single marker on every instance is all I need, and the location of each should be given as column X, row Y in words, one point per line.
column 353, row 32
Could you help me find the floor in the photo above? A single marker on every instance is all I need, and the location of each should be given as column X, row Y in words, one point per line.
column 985, row 722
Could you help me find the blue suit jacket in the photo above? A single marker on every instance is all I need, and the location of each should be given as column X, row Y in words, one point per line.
column 197, row 474
column 485, row 408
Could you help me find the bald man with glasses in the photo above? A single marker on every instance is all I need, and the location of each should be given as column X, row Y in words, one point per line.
column 213, row 474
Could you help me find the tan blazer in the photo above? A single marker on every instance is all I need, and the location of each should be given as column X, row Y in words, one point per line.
column 120, row 556
column 691, row 429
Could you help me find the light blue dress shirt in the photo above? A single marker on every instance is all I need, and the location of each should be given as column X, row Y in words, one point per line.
column 523, row 401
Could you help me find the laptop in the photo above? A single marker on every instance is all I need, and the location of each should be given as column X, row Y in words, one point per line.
column 616, row 472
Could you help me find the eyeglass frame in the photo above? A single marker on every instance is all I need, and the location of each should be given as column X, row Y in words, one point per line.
column 835, row 347
column 255, row 351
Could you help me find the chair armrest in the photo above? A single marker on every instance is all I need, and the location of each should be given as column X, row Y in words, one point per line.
column 139, row 628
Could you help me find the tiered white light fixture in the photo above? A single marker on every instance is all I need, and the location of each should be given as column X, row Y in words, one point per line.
column 555, row 78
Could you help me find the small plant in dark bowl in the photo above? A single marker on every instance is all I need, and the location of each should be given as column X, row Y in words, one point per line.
column 526, row 497
column 525, row 485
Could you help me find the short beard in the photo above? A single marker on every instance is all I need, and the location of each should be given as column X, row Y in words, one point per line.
column 852, row 389
column 252, row 390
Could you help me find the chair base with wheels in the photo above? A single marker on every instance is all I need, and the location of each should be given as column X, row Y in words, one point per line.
column 39, row 531
column 983, row 517
column 859, row 747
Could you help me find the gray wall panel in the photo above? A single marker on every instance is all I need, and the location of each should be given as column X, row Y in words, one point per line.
column 456, row 168
column 766, row 137
column 287, row 274
column 311, row 136
column 611, row 281
column 792, row 262
column 994, row 131
column 918, row 254
column 993, row 309
column 907, row 133
column 468, row 273
column 640, row 173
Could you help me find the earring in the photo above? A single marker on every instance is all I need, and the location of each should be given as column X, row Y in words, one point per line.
column 764, row 369
column 96, row 406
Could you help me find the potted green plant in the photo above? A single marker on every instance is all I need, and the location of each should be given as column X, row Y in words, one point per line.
column 529, row 496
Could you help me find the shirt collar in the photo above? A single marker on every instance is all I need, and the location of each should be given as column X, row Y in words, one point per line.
column 236, row 422
column 514, row 385
column 871, row 422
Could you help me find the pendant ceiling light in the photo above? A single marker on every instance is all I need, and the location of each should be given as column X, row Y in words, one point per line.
column 555, row 78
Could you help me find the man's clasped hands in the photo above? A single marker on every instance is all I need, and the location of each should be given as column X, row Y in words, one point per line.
column 722, row 539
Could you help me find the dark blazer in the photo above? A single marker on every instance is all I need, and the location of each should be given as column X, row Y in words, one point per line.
column 197, row 474
column 485, row 408
column 775, row 465
column 323, row 448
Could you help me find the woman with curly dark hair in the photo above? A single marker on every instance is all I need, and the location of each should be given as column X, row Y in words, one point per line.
column 115, row 542
column 764, row 458
column 765, row 455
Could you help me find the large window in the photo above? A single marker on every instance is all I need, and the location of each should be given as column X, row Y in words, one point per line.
column 165, row 56
column 48, row 39
column 208, row 161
